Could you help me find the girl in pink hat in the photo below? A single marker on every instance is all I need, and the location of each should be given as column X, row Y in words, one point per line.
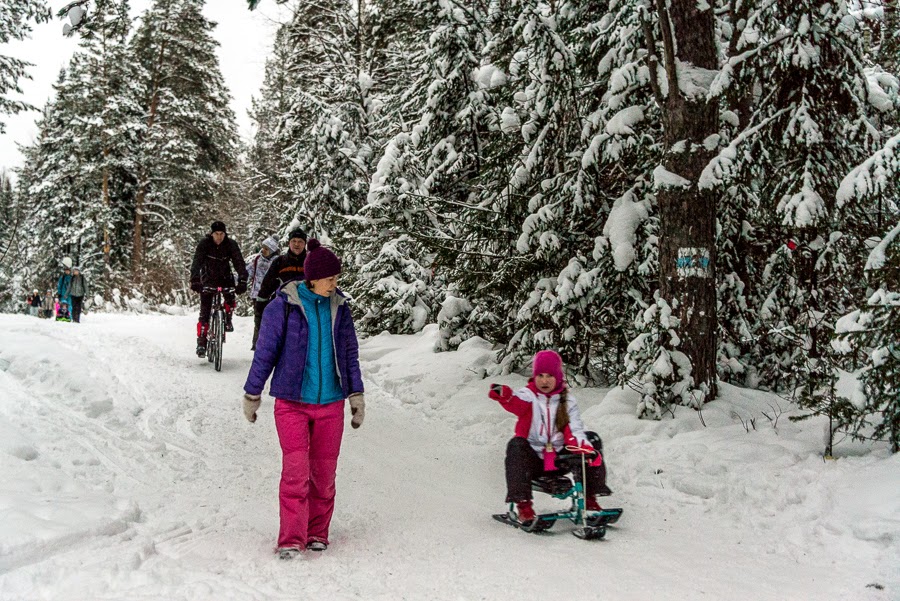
column 549, row 423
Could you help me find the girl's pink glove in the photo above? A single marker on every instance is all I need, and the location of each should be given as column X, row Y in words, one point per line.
column 585, row 448
column 500, row 393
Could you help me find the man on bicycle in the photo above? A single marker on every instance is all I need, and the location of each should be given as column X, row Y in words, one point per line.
column 211, row 269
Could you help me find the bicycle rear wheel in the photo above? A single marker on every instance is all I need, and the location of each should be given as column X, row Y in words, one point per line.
column 218, row 337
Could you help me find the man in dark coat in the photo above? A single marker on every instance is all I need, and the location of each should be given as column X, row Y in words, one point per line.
column 286, row 268
column 211, row 268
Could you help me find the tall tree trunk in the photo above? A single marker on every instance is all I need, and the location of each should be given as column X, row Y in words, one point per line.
column 137, row 253
column 360, row 41
column 106, row 151
column 106, row 243
column 361, row 66
column 890, row 44
column 687, row 254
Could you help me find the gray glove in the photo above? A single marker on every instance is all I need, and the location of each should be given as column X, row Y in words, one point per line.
column 357, row 409
column 251, row 406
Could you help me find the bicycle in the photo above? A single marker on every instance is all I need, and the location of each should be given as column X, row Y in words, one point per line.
column 215, row 336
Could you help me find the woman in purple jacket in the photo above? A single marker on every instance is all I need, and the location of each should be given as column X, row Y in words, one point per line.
column 307, row 336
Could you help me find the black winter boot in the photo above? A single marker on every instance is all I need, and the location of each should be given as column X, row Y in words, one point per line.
column 201, row 346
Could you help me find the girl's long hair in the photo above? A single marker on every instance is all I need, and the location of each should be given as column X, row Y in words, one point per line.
column 562, row 412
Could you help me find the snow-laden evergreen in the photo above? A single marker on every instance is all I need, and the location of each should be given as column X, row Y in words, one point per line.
column 11, row 214
column 422, row 182
column 16, row 17
column 545, row 172
column 135, row 151
column 78, row 177
column 188, row 138
column 874, row 328
column 267, row 181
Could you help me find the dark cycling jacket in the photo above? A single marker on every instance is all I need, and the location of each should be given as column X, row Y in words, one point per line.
column 212, row 262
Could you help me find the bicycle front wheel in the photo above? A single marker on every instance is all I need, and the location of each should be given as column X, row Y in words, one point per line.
column 210, row 342
column 219, row 337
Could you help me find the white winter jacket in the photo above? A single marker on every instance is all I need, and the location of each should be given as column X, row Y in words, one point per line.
column 537, row 419
column 258, row 266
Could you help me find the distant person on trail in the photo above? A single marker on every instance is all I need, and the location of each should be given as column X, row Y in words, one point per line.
column 79, row 290
column 549, row 425
column 34, row 303
column 287, row 267
column 211, row 268
column 308, row 337
column 257, row 267
column 47, row 304
column 64, row 287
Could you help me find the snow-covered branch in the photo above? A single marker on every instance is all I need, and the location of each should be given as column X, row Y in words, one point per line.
column 720, row 167
column 878, row 256
column 873, row 175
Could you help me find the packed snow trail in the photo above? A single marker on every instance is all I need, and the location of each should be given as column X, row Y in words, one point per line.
column 129, row 472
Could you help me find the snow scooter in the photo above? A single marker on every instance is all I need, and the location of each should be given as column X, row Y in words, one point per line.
column 592, row 524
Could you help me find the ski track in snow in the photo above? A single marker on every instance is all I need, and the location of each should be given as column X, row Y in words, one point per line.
column 130, row 473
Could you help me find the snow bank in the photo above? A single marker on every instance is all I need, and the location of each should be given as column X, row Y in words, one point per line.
column 129, row 472
column 47, row 501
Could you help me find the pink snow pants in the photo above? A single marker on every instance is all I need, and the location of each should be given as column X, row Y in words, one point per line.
column 310, row 437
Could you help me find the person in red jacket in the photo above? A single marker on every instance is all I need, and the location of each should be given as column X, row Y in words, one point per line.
column 549, row 424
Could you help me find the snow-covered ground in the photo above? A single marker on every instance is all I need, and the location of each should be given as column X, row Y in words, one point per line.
column 129, row 472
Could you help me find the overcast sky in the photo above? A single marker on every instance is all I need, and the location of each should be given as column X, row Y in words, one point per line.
column 245, row 38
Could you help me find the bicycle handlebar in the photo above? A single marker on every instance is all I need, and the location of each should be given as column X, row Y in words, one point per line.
column 209, row 289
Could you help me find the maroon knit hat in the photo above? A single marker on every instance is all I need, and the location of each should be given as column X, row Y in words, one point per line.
column 320, row 262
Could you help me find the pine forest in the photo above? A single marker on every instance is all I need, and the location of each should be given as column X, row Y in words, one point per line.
column 671, row 194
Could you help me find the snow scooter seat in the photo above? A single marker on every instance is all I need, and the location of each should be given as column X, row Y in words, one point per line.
column 552, row 484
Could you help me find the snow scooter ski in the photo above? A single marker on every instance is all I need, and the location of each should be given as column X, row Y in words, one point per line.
column 591, row 524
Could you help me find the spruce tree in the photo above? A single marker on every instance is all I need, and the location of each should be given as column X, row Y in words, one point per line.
column 550, row 199
column 657, row 116
column 605, row 146
column 108, row 117
column 797, row 74
column 268, row 180
column 15, row 24
column 424, row 179
column 874, row 328
column 51, row 179
column 330, row 147
column 188, row 143
column 77, row 174
column 10, row 223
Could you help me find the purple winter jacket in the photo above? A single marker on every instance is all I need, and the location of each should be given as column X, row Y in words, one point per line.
column 284, row 348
